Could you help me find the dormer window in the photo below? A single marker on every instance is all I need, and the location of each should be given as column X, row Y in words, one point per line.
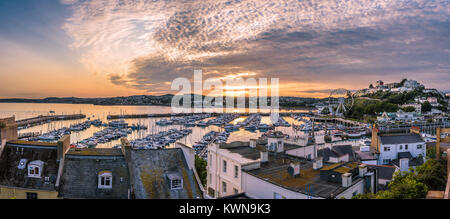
column 35, row 169
column 105, row 180
column 176, row 181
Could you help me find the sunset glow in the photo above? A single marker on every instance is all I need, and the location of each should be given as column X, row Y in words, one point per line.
column 97, row 48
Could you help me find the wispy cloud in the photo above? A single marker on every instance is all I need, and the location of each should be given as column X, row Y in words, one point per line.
column 144, row 44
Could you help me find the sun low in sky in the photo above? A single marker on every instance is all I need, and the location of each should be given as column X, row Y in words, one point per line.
column 104, row 48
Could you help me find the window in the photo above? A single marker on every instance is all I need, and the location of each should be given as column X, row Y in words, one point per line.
column 32, row 195
column 387, row 149
column 235, row 191
column 224, row 166
column 386, row 161
column 401, row 147
column 406, row 147
column 224, row 187
column 35, row 169
column 419, row 146
column 176, row 184
column 236, row 171
column 105, row 180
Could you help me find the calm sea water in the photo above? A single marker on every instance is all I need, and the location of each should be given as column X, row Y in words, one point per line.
column 27, row 110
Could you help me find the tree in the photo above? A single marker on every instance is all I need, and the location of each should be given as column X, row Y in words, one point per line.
column 426, row 106
column 402, row 83
column 433, row 173
column 200, row 166
column 371, row 86
column 403, row 186
column 409, row 109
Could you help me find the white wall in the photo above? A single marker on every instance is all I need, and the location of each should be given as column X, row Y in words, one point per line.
column 395, row 149
column 357, row 187
column 302, row 152
column 216, row 176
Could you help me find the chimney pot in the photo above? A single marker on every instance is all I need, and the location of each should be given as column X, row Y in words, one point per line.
column 346, row 180
column 264, row 156
column 318, row 163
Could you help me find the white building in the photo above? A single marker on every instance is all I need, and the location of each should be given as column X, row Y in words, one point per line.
column 395, row 147
column 411, row 84
column 225, row 162
column 304, row 180
column 265, row 169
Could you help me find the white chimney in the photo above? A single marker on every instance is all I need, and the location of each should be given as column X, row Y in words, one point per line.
column 346, row 180
column 264, row 156
column 252, row 143
column 294, row 169
column 404, row 164
column 362, row 170
column 318, row 163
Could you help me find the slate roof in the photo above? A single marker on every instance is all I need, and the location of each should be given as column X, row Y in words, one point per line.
column 401, row 139
column 402, row 155
column 335, row 151
column 150, row 171
column 244, row 149
column 326, row 153
column 308, row 182
column 79, row 179
column 11, row 176
column 384, row 172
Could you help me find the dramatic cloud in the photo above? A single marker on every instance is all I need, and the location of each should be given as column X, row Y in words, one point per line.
column 145, row 44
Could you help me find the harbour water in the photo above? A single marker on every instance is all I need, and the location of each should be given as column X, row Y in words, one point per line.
column 94, row 112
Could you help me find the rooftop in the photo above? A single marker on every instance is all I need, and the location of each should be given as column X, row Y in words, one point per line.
column 12, row 176
column 95, row 152
column 79, row 179
column 408, row 138
column 151, row 170
column 32, row 143
column 244, row 149
column 309, row 180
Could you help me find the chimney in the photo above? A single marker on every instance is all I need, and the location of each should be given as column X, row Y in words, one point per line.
column 63, row 146
column 375, row 131
column 253, row 143
column 404, row 164
column 346, row 180
column 362, row 170
column 126, row 149
column 294, row 169
column 264, row 156
column 318, row 163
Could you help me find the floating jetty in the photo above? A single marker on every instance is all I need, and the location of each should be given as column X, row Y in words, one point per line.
column 40, row 120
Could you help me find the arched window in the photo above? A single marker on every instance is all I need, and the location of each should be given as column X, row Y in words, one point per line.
column 105, row 180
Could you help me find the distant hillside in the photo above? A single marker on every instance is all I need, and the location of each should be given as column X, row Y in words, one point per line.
column 146, row 100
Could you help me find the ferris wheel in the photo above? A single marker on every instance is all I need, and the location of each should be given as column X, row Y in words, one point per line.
column 345, row 101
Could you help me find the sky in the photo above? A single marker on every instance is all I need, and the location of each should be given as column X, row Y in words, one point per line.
column 106, row 48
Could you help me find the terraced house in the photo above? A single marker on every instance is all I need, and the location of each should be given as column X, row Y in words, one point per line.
column 38, row 170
